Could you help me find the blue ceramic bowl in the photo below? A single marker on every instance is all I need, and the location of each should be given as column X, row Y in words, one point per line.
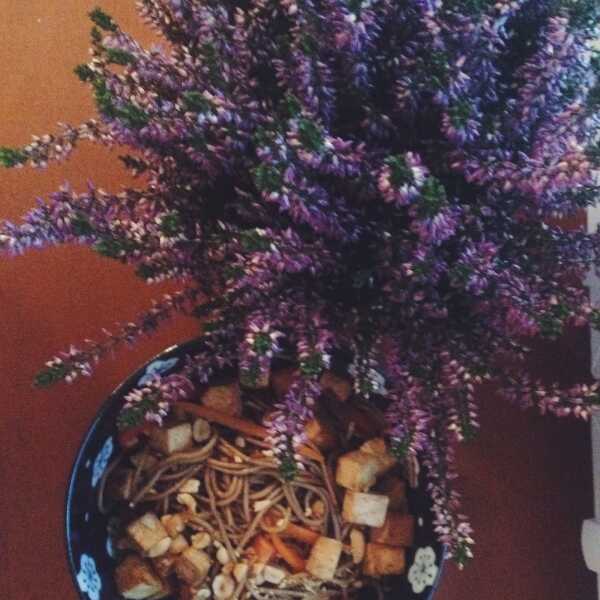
column 91, row 554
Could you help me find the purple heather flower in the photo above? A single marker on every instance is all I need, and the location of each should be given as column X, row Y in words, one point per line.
column 394, row 163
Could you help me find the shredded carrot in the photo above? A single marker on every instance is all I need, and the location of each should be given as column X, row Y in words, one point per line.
column 263, row 549
column 302, row 534
column 129, row 437
column 288, row 554
column 242, row 425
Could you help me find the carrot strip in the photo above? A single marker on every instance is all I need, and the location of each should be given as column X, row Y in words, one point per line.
column 129, row 437
column 242, row 425
column 288, row 554
column 302, row 534
column 263, row 549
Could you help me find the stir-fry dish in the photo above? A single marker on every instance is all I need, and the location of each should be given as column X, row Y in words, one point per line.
column 202, row 509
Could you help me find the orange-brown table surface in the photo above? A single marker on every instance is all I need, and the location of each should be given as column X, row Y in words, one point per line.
column 526, row 479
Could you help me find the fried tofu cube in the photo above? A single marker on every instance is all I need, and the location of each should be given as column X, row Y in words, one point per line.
column 135, row 579
column 365, row 509
column 340, row 387
column 398, row 530
column 320, row 432
column 169, row 440
column 377, row 448
column 357, row 471
column 324, row 558
column 281, row 380
column 164, row 565
column 225, row 398
column 192, row 565
column 383, row 560
column 395, row 489
column 146, row 532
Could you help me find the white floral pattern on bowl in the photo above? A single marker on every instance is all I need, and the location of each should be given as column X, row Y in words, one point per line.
column 88, row 579
column 101, row 461
column 424, row 570
column 157, row 367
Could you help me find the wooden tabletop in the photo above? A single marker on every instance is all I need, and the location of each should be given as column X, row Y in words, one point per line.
column 526, row 479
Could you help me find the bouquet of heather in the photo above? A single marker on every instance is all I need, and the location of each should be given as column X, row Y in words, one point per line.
column 371, row 176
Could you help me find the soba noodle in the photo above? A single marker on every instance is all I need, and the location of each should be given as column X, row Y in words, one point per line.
column 238, row 490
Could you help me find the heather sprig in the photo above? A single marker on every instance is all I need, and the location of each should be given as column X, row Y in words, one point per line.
column 367, row 177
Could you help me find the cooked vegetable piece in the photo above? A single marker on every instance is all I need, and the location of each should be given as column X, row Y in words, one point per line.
column 365, row 509
column 136, row 579
column 324, row 558
column 300, row 533
column 395, row 489
column 262, row 550
column 225, row 398
column 339, row 386
column 381, row 560
column 146, row 532
column 192, row 565
column 398, row 530
column 169, row 440
column 357, row 471
column 288, row 554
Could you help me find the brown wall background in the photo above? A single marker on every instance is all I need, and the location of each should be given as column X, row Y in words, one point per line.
column 526, row 479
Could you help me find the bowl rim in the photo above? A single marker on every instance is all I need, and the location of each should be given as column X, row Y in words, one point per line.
column 104, row 407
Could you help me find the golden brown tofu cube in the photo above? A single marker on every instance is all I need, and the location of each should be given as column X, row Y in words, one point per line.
column 398, row 530
column 281, row 380
column 383, row 560
column 172, row 439
column 164, row 565
column 395, row 489
column 357, row 471
column 321, row 433
column 324, row 558
column 146, row 532
column 340, row 387
column 377, row 448
column 135, row 578
column 365, row 509
column 192, row 566
column 224, row 398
